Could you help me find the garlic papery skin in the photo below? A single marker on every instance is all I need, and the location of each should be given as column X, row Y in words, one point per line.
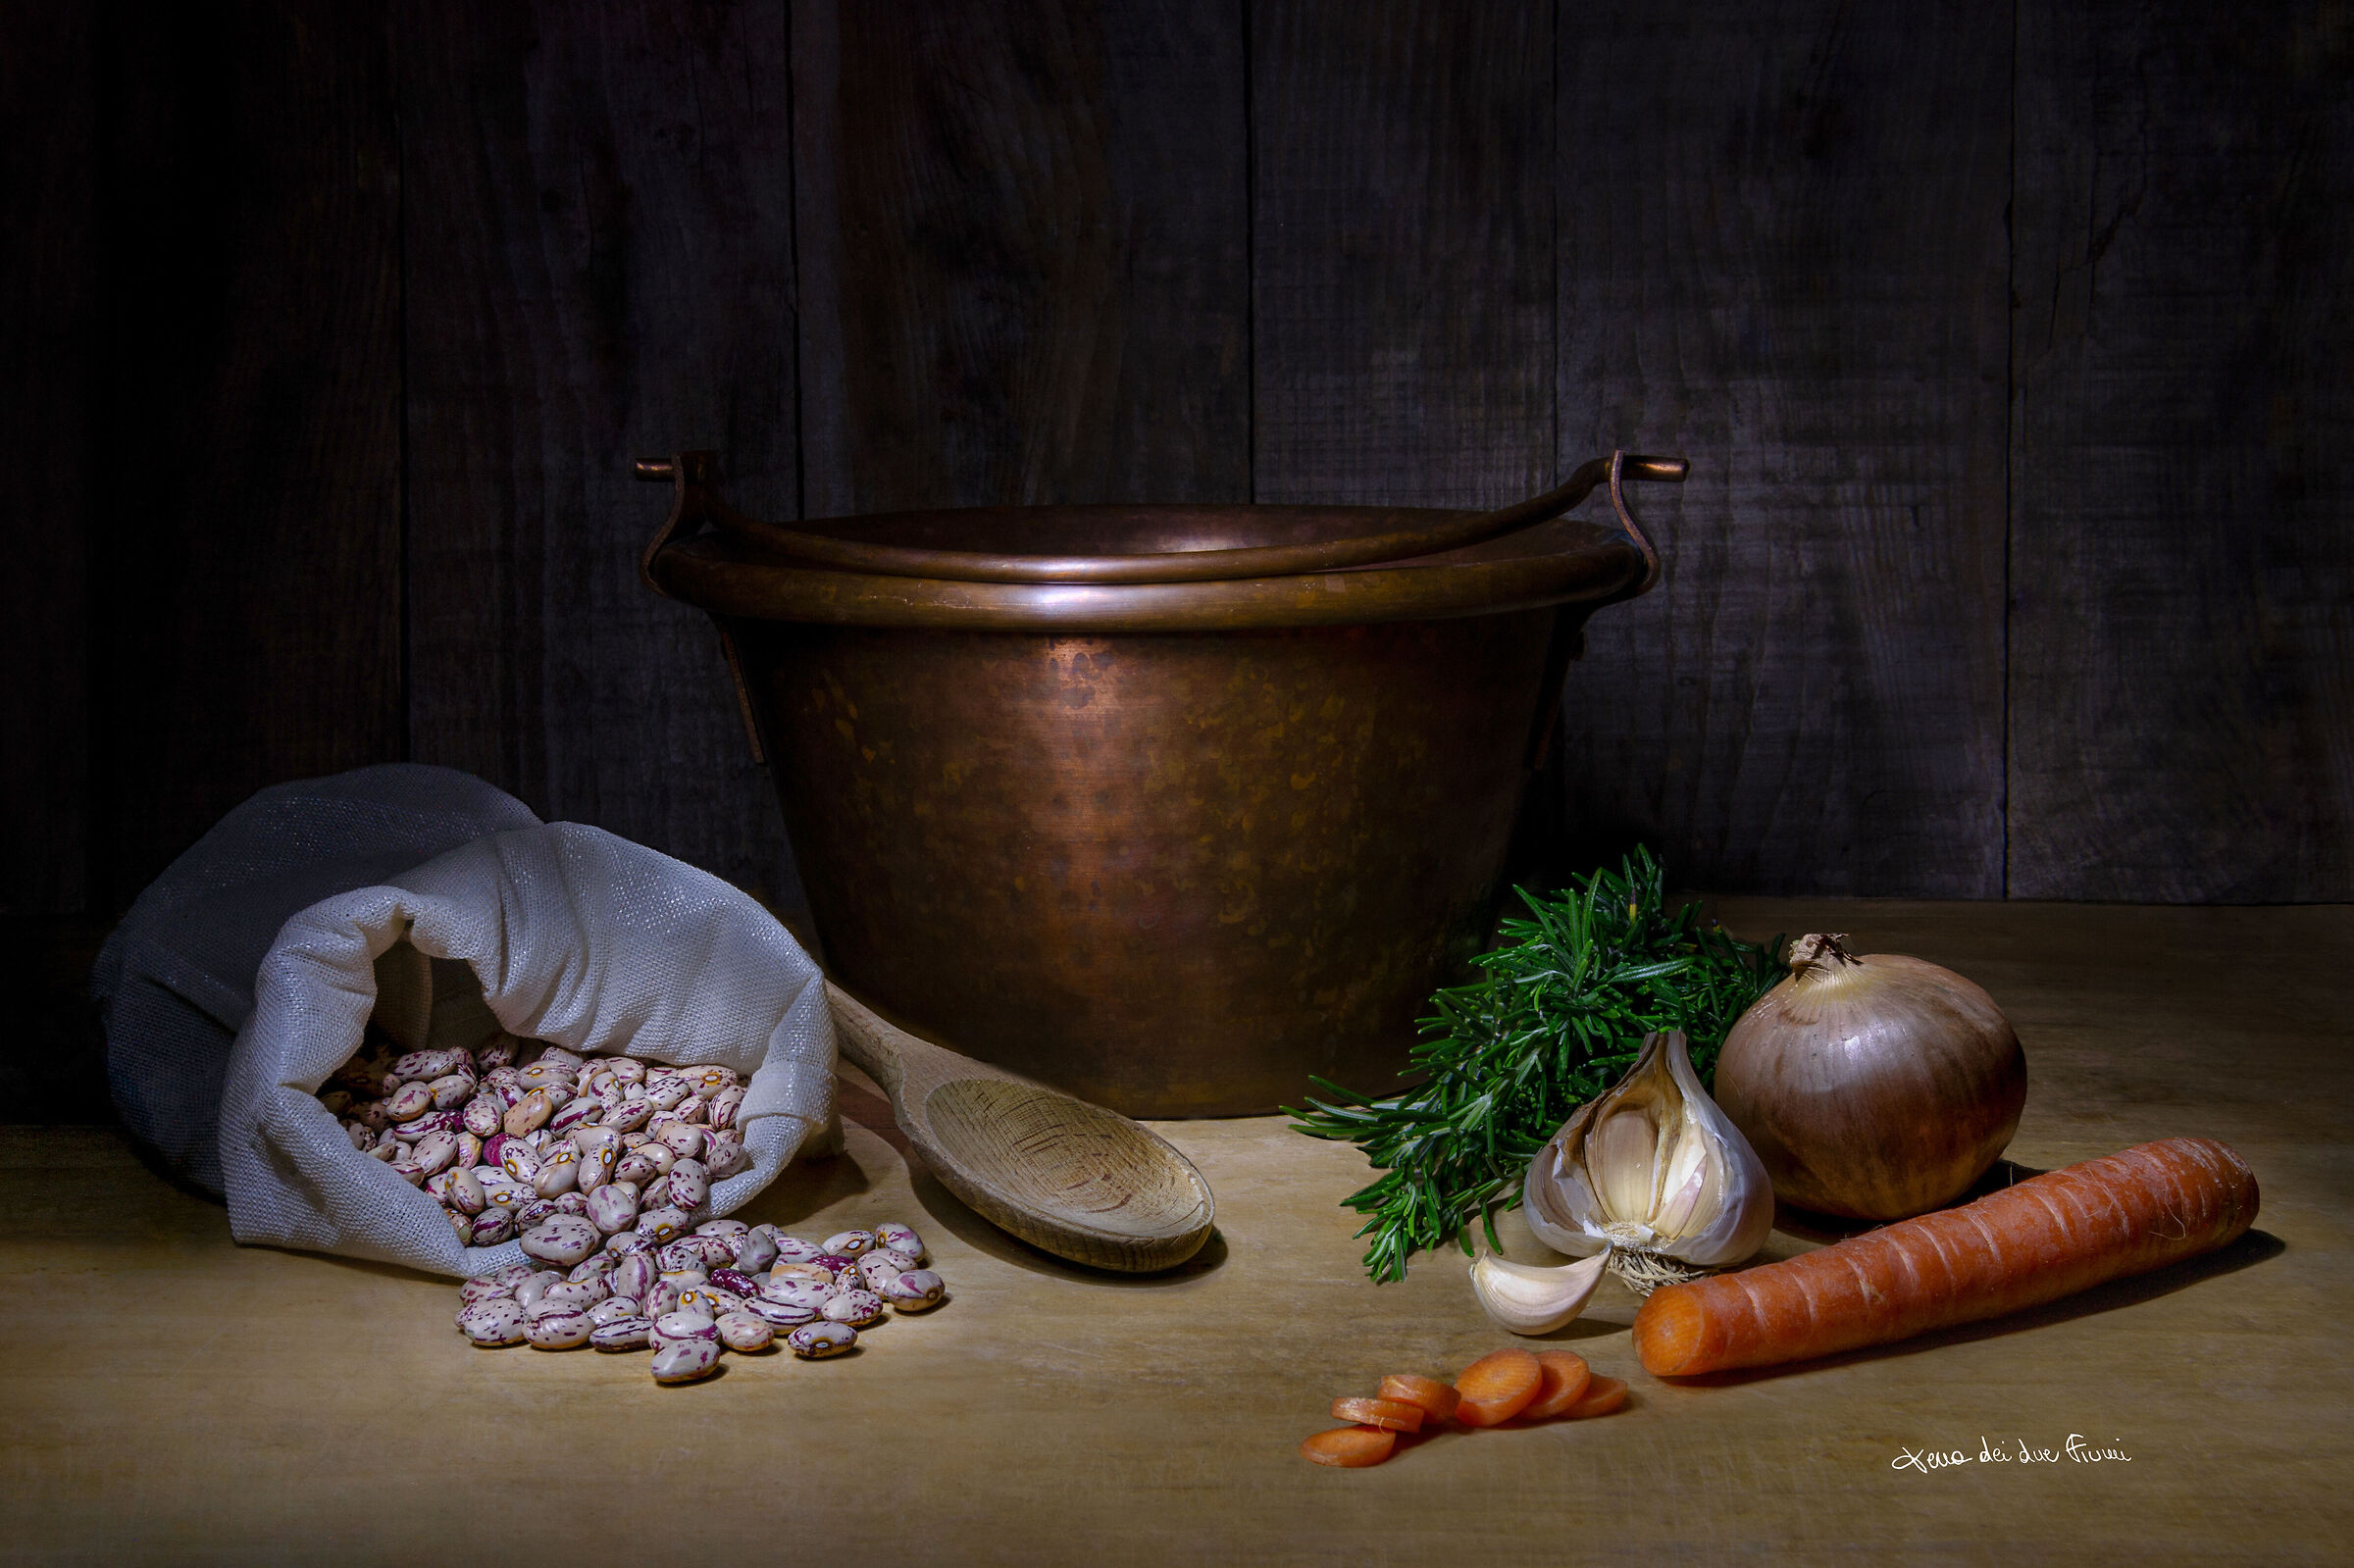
column 1527, row 1298
column 1653, row 1167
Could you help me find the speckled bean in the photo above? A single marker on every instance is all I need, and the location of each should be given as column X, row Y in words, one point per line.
column 436, row 1152
column 633, row 1273
column 563, row 1238
column 755, row 1252
column 851, row 1244
column 662, row 1224
column 612, row 1309
column 493, row 1227
column 780, row 1315
column 530, row 1112
column 681, row 1324
column 452, row 1091
column 613, row 1207
column 916, row 1291
column 623, row 1334
column 744, row 1333
column 686, row 1360
column 630, row 1116
column 857, row 1308
column 581, row 1294
column 689, row 1189
column 901, row 1239
column 565, row 1330
column 724, row 1155
column 493, row 1323
column 801, row 1294
column 813, row 1341
column 408, row 1103
column 559, row 1171
column 685, row 1139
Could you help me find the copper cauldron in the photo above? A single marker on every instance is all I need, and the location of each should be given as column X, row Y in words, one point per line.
column 1167, row 806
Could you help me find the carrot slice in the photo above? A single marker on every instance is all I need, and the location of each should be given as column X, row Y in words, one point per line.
column 1437, row 1399
column 1602, row 1395
column 1350, row 1447
column 1565, row 1376
column 1391, row 1415
column 1496, row 1388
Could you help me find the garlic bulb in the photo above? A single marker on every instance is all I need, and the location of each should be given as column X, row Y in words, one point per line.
column 1655, row 1173
column 1527, row 1298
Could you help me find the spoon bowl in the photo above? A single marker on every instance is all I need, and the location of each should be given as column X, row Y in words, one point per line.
column 1069, row 1177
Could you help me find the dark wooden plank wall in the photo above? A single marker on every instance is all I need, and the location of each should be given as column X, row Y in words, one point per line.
column 243, row 538
column 2008, row 348
column 2182, row 549
column 1814, row 697
column 599, row 265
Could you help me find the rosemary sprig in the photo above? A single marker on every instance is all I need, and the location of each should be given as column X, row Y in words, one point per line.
column 1560, row 1015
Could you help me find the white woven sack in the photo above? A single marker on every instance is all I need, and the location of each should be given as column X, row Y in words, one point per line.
column 572, row 935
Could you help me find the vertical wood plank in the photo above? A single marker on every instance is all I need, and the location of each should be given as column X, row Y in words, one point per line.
column 2182, row 636
column 1784, row 257
column 48, row 156
column 599, row 268
column 245, row 568
column 1023, row 252
column 1402, row 252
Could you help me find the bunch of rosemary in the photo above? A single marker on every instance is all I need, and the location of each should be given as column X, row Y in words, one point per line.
column 1505, row 1060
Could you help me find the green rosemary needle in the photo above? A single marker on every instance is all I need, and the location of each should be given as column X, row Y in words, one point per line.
column 1559, row 1017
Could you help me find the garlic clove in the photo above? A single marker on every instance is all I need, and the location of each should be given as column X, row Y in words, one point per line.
column 1528, row 1299
column 1652, row 1166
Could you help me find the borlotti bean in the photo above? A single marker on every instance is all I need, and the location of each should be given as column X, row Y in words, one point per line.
column 619, row 1297
column 514, row 1134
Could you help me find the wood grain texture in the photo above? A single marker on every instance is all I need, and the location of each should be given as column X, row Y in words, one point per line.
column 246, row 559
column 1783, row 255
column 2182, row 632
column 1403, row 252
column 48, row 308
column 1022, row 253
column 600, row 267
column 1074, row 1179
column 1045, row 1415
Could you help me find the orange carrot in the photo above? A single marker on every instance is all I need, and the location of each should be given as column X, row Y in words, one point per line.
column 1350, row 1447
column 1496, row 1388
column 1601, row 1397
column 2049, row 1236
column 1437, row 1399
column 1565, row 1376
column 1392, row 1415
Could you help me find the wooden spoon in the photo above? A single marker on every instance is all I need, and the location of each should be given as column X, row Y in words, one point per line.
column 1074, row 1179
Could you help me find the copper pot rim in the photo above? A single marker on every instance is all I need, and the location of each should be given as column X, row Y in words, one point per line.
column 1453, row 563
column 719, row 577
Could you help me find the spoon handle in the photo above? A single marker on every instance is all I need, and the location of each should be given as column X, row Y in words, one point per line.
column 873, row 1046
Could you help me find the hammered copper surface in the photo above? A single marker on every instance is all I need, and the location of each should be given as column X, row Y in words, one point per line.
column 1172, row 847
column 1171, row 873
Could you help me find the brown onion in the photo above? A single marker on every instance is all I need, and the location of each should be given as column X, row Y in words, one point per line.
column 1875, row 1088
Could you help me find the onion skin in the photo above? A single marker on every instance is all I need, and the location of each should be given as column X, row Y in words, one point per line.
column 1874, row 1088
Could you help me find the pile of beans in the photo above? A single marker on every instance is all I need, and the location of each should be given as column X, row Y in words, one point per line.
column 726, row 1285
column 513, row 1134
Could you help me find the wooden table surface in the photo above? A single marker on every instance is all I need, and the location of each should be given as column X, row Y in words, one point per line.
column 168, row 1397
